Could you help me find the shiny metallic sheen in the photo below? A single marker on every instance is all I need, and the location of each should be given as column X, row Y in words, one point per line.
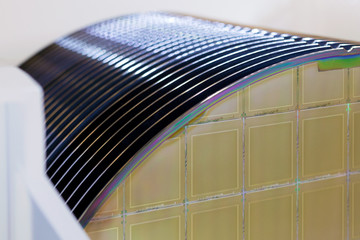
column 116, row 90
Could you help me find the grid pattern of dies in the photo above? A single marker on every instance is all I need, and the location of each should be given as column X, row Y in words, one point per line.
column 276, row 160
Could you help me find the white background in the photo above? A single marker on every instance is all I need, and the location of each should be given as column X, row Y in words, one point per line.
column 27, row 26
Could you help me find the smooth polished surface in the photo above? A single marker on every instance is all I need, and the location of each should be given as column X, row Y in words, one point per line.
column 268, row 208
column 112, row 88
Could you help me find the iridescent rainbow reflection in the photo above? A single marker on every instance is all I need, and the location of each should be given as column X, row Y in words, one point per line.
column 288, row 155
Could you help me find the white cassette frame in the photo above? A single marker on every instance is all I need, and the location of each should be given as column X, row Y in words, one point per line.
column 30, row 206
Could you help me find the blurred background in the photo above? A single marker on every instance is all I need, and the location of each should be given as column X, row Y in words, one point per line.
column 28, row 26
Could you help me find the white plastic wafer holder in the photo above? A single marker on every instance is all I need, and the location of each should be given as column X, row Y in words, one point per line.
column 30, row 207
